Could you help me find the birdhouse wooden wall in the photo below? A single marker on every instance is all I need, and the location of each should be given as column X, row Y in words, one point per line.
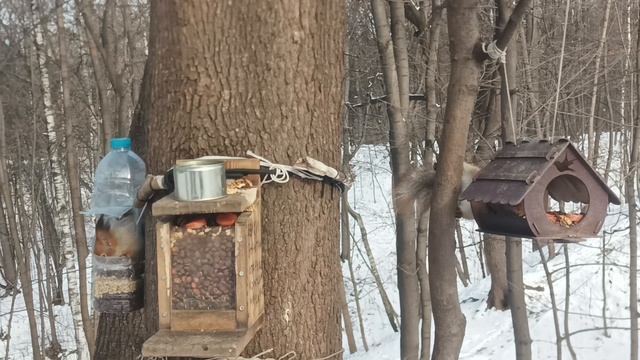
column 210, row 288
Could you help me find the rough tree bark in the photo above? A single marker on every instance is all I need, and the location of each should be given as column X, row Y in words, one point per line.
column 463, row 87
column 224, row 78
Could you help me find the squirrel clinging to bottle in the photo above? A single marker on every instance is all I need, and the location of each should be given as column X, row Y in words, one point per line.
column 118, row 237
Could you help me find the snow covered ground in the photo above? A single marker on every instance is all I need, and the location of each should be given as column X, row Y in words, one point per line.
column 488, row 332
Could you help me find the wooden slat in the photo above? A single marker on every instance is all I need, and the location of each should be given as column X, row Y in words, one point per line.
column 166, row 343
column 238, row 202
column 255, row 290
column 242, row 164
column 203, row 320
column 163, row 240
column 242, row 242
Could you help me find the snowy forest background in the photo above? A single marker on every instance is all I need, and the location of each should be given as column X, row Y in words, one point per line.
column 70, row 77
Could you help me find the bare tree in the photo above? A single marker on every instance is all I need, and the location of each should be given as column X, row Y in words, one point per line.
column 103, row 41
column 392, row 49
column 463, row 87
column 508, row 109
column 554, row 306
column 73, row 174
column 21, row 249
column 61, row 215
column 593, row 155
column 630, row 184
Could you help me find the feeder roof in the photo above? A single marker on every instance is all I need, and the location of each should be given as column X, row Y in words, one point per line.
column 509, row 177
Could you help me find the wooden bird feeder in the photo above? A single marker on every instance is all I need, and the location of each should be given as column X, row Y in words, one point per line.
column 540, row 190
column 210, row 289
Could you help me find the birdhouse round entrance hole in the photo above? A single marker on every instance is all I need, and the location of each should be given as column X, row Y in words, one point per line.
column 540, row 190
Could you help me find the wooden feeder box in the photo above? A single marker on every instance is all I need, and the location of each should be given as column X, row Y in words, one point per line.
column 540, row 190
column 210, row 289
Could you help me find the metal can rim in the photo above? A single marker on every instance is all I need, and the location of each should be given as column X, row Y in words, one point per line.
column 191, row 163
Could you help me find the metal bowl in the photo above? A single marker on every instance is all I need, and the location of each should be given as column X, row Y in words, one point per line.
column 199, row 179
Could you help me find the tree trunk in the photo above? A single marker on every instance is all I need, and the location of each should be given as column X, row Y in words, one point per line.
column 8, row 257
column 437, row 18
column 224, row 78
column 463, row 87
column 373, row 266
column 106, row 106
column 554, row 306
column 346, row 319
column 431, row 44
column 515, row 281
column 399, row 144
column 21, row 249
column 104, row 40
column 423, row 277
column 495, row 250
column 567, row 303
column 466, row 277
column 61, row 216
column 592, row 155
column 630, row 183
column 517, row 303
column 494, row 245
column 73, row 170
column 120, row 336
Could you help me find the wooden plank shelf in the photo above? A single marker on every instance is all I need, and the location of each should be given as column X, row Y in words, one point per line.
column 237, row 202
column 167, row 343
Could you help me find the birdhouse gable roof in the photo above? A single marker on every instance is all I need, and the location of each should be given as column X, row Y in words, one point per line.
column 509, row 177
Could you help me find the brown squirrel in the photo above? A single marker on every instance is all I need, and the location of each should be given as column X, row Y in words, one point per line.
column 118, row 237
column 419, row 187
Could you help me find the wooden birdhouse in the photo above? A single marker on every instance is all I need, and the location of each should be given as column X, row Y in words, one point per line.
column 540, row 190
column 210, row 289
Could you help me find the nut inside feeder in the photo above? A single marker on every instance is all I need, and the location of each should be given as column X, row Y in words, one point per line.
column 540, row 190
column 206, row 281
column 210, row 295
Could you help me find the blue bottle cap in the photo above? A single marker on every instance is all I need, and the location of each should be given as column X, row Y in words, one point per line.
column 121, row 143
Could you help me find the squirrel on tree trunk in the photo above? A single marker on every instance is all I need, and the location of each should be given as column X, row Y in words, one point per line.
column 419, row 187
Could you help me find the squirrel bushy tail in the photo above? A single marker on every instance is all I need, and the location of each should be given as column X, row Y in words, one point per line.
column 418, row 187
